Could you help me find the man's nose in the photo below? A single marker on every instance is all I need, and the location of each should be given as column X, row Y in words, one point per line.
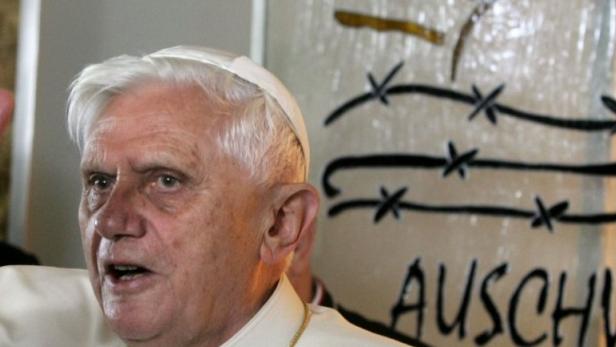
column 121, row 215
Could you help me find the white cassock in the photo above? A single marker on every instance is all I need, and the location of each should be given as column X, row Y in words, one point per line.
column 44, row 306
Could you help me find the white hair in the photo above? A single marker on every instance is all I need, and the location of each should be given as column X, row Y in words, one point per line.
column 259, row 136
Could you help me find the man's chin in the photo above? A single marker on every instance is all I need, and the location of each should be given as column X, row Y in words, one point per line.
column 134, row 322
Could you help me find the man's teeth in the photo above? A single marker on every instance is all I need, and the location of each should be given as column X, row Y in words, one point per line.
column 126, row 272
column 125, row 268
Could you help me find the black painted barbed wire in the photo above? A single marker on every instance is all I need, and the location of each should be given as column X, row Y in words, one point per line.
column 541, row 216
column 488, row 105
column 453, row 162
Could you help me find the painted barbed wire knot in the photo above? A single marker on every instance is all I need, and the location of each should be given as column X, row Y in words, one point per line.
column 610, row 104
column 487, row 104
column 457, row 162
column 380, row 90
column 543, row 216
column 389, row 203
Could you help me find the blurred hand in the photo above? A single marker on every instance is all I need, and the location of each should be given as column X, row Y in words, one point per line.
column 6, row 110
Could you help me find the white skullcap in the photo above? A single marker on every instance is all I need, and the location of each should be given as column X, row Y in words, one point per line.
column 249, row 71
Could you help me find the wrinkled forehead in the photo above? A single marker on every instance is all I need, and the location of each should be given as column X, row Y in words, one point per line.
column 160, row 114
column 164, row 106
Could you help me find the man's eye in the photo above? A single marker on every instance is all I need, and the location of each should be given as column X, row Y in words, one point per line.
column 100, row 182
column 168, row 182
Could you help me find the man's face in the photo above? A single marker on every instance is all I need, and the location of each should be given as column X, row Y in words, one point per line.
column 170, row 225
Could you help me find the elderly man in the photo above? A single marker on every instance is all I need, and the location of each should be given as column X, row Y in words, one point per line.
column 193, row 166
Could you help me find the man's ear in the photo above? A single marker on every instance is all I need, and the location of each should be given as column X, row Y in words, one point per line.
column 295, row 210
column 303, row 252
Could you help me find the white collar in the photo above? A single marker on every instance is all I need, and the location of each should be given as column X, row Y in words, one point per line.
column 275, row 323
column 318, row 292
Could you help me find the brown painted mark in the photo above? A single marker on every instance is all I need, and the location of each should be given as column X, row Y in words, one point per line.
column 357, row 20
column 478, row 11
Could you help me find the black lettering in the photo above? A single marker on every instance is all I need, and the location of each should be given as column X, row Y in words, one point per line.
column 414, row 273
column 513, row 306
column 561, row 313
column 497, row 328
column 460, row 319
column 606, row 303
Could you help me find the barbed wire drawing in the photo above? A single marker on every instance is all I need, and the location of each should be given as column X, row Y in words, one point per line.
column 487, row 104
column 451, row 162
column 542, row 215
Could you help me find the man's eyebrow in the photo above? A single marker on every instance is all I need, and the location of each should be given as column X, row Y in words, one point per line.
column 156, row 166
column 165, row 161
column 92, row 162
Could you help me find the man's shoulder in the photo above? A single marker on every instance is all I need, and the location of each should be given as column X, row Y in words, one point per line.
column 50, row 306
column 41, row 283
column 327, row 327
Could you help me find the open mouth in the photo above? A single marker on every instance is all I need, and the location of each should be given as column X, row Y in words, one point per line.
column 126, row 272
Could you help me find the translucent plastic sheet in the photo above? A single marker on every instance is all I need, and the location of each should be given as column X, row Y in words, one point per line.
column 462, row 149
